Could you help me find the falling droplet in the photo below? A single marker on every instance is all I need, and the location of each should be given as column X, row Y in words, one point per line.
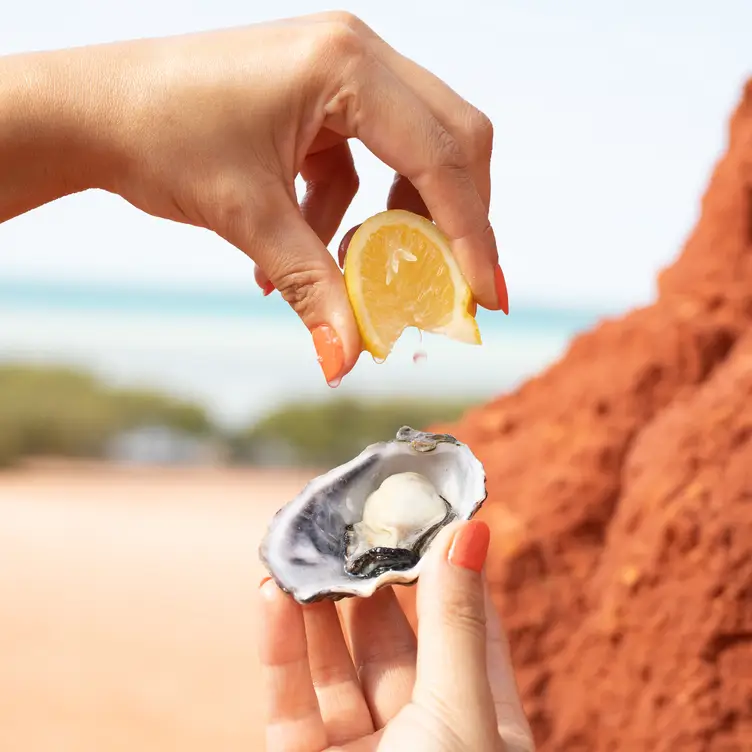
column 420, row 355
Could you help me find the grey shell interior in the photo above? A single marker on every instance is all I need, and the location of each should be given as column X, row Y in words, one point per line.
column 304, row 547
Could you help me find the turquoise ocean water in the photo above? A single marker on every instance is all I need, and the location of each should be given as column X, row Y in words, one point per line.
column 241, row 354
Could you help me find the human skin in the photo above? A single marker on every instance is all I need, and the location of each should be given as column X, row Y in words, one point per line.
column 212, row 129
column 353, row 676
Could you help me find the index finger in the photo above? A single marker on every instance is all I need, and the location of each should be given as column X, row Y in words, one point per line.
column 378, row 108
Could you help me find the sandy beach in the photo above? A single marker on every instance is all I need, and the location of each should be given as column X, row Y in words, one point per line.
column 127, row 614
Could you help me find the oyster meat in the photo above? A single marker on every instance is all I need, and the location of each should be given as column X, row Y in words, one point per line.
column 368, row 523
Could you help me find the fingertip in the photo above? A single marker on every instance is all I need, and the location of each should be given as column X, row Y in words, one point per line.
column 470, row 544
column 502, row 294
column 443, row 540
column 478, row 259
column 343, row 320
column 271, row 595
column 261, row 279
column 344, row 245
column 404, row 195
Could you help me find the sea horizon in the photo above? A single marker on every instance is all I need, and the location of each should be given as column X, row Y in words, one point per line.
column 241, row 355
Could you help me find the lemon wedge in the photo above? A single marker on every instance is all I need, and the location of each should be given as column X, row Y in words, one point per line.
column 400, row 273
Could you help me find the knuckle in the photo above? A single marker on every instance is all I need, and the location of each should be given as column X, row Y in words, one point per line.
column 346, row 19
column 465, row 614
column 475, row 134
column 302, row 289
column 343, row 38
column 479, row 135
column 226, row 201
column 330, row 675
column 450, row 154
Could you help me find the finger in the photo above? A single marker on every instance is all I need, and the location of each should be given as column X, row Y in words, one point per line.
column 262, row 281
column 277, row 237
column 331, row 185
column 344, row 244
column 474, row 133
column 401, row 131
column 404, row 195
column 469, row 126
column 452, row 681
column 512, row 722
column 343, row 707
column 384, row 648
column 293, row 719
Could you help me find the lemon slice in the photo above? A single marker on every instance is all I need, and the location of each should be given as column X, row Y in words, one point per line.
column 400, row 272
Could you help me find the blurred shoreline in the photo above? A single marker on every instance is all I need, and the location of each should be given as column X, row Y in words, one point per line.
column 240, row 355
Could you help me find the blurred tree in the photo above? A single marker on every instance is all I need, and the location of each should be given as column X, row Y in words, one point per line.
column 332, row 432
column 60, row 411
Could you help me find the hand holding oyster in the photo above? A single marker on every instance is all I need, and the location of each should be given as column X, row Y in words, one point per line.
column 369, row 522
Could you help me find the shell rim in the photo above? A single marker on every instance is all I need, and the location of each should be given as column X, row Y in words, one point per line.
column 420, row 441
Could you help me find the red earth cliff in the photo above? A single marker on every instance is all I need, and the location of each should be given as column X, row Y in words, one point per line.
column 620, row 496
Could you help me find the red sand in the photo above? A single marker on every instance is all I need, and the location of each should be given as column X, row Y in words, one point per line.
column 621, row 502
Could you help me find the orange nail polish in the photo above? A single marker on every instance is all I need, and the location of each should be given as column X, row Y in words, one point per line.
column 268, row 288
column 470, row 546
column 331, row 356
column 501, row 290
column 263, row 582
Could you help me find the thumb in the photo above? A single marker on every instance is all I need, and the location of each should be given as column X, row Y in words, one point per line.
column 290, row 255
column 452, row 680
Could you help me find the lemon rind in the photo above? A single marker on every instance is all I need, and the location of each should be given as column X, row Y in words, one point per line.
column 462, row 327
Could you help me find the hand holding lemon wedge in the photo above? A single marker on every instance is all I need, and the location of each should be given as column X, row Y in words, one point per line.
column 400, row 272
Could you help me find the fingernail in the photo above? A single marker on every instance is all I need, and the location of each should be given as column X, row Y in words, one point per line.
column 331, row 356
column 264, row 581
column 501, row 290
column 268, row 289
column 470, row 546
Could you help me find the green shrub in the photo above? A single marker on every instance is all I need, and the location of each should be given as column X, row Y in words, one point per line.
column 60, row 411
column 332, row 432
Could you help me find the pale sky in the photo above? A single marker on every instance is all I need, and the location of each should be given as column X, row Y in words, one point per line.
column 609, row 117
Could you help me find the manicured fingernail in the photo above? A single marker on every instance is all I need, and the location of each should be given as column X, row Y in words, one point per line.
column 470, row 546
column 264, row 581
column 501, row 290
column 268, row 288
column 331, row 356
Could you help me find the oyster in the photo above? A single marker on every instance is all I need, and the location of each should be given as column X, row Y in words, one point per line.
column 368, row 523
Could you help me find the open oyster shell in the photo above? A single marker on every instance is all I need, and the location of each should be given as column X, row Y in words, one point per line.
column 319, row 545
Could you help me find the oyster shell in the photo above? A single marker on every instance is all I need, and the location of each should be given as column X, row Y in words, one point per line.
column 367, row 523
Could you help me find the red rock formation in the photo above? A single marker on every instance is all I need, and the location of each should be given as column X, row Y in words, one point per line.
column 620, row 486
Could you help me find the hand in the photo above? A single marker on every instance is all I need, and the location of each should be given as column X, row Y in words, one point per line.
column 352, row 677
column 212, row 129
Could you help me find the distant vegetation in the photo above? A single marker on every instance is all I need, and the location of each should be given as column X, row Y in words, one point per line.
column 62, row 412
column 332, row 432
column 58, row 411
